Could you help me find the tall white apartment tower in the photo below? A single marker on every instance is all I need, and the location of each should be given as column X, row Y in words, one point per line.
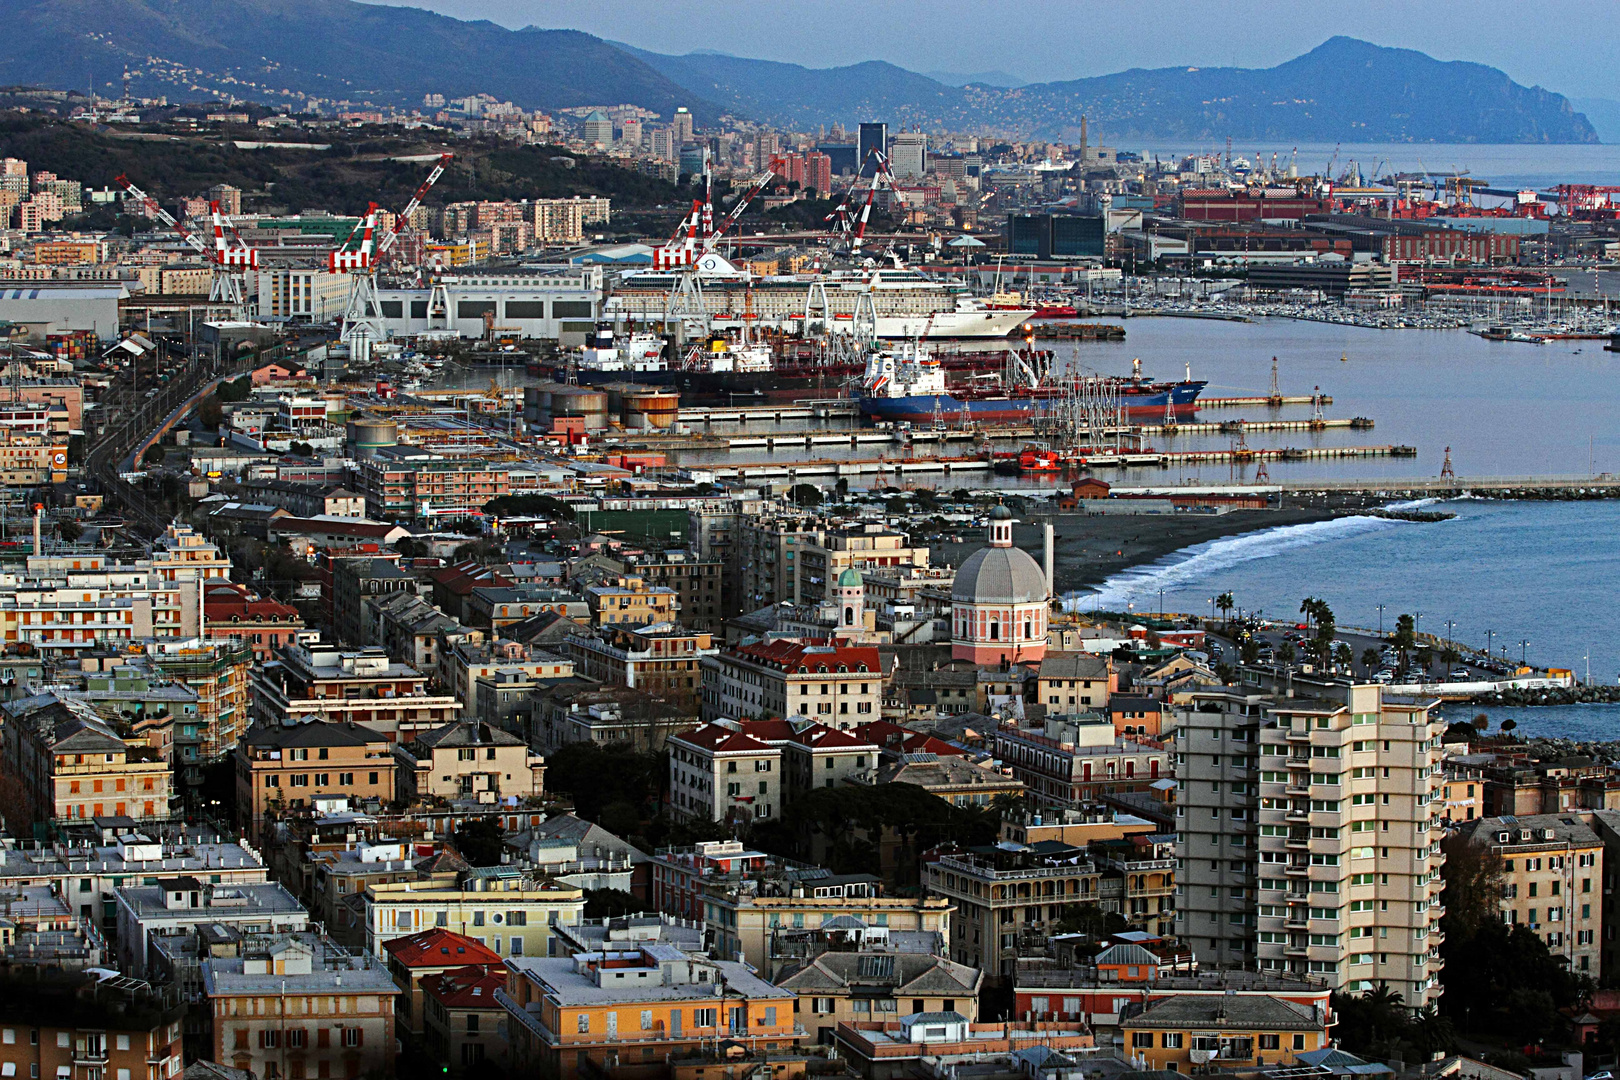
column 1309, row 832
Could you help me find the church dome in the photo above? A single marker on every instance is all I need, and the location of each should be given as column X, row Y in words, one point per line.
column 850, row 579
column 1000, row 575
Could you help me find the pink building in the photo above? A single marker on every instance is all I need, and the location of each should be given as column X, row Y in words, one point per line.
column 998, row 603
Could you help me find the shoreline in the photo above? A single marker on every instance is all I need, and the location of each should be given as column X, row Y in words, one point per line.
column 1088, row 549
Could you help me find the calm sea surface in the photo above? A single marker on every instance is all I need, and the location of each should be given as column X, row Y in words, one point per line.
column 1503, row 166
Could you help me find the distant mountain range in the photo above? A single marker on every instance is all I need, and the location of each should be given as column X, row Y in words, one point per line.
column 1343, row 90
column 275, row 50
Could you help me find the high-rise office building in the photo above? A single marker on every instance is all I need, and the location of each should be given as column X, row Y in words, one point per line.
column 908, row 154
column 872, row 137
column 598, row 129
column 682, row 125
column 1309, row 838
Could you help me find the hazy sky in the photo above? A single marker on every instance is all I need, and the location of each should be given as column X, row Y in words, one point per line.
column 1564, row 45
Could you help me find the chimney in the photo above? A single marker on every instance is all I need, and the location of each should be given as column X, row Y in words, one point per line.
column 1051, row 589
column 39, row 509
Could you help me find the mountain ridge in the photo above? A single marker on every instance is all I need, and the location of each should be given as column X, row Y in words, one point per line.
column 281, row 50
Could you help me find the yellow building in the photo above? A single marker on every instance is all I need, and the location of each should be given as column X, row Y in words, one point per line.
column 1552, row 881
column 508, row 910
column 1187, row 1032
column 73, row 765
column 630, row 601
column 876, row 984
column 620, row 1009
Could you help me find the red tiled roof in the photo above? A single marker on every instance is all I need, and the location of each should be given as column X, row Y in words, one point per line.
column 894, row 737
column 813, row 656
column 373, row 529
column 439, row 948
column 470, row 987
column 221, row 602
column 720, row 740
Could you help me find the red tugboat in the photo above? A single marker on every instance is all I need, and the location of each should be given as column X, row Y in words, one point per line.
column 1036, row 459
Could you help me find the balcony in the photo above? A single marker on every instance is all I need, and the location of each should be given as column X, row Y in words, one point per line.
column 1297, row 815
column 1298, row 842
column 1297, row 869
column 1298, row 735
column 1295, row 922
column 1294, row 787
column 1295, row 949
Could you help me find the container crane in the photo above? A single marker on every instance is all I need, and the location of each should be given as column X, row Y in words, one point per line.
column 362, row 316
column 851, row 228
column 225, row 288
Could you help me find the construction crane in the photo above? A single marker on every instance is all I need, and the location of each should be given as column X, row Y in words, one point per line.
column 362, row 316
column 225, row 288
column 759, row 183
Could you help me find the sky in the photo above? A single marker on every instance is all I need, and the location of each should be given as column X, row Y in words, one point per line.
column 1563, row 45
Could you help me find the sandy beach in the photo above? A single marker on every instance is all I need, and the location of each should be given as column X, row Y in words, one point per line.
column 1092, row 548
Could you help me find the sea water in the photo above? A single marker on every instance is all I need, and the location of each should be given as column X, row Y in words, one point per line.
column 1540, row 577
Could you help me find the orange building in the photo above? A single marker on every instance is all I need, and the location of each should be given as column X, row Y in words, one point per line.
column 621, row 1009
column 281, row 768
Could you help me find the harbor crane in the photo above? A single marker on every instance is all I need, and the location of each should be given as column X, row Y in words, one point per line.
column 846, row 225
column 226, row 287
column 362, row 316
column 696, row 236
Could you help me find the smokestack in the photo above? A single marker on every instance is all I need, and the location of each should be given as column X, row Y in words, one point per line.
column 39, row 510
column 1051, row 589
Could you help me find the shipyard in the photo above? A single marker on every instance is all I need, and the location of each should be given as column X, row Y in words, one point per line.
column 808, row 542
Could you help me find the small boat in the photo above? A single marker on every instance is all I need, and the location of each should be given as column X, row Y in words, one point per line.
column 1035, row 459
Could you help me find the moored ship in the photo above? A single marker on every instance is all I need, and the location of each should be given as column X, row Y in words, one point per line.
column 908, row 385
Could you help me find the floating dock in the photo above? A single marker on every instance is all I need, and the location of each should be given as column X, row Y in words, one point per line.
column 1263, row 401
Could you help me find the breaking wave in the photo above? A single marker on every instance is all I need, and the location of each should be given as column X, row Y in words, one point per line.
column 1198, row 562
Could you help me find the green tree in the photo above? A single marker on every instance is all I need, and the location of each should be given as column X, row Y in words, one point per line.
column 1225, row 603
column 154, row 454
column 596, row 777
column 480, row 842
column 68, row 529
column 1285, row 652
column 611, row 903
column 1370, row 659
column 805, row 495
column 1450, row 657
column 1343, row 655
column 897, row 504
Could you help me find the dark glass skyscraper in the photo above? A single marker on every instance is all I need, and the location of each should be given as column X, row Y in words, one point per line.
column 871, row 137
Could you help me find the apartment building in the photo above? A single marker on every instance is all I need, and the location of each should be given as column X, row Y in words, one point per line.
column 1073, row 761
column 71, row 764
column 463, row 663
column 237, row 613
column 285, row 768
column 364, row 687
column 217, row 672
column 661, row 658
column 1552, row 881
column 177, row 906
column 465, row 1023
column 877, row 983
column 630, row 601
column 511, row 911
column 698, row 584
column 1182, row 1032
column 299, row 1005
column 837, row 685
column 721, row 773
column 636, row 1006
column 767, row 556
column 1311, row 817
column 1075, row 682
column 873, row 547
column 469, row 761
column 416, row 957
column 72, row 1025
column 762, row 914
column 1004, row 904
column 1123, row 977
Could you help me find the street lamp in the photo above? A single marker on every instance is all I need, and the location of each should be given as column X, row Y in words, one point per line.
column 1524, row 649
column 1488, row 635
column 1381, row 608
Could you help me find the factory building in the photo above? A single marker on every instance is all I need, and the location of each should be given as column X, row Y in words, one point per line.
column 51, row 308
column 552, row 304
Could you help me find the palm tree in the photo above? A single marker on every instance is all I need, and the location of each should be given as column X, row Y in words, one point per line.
column 1225, row 603
column 1343, row 655
column 1307, row 608
column 1369, row 660
column 1450, row 657
column 1286, row 652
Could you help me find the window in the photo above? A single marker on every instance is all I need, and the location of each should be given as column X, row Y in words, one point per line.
column 1172, row 1040
column 583, row 1022
column 1142, row 1040
column 1270, row 1042
column 1299, row 1042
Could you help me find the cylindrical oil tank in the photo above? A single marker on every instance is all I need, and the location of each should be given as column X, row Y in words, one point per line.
column 368, row 434
column 615, row 393
column 533, row 404
column 586, row 401
column 651, row 407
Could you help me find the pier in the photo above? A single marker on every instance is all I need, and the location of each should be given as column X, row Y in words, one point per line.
column 1605, row 486
column 1261, row 402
